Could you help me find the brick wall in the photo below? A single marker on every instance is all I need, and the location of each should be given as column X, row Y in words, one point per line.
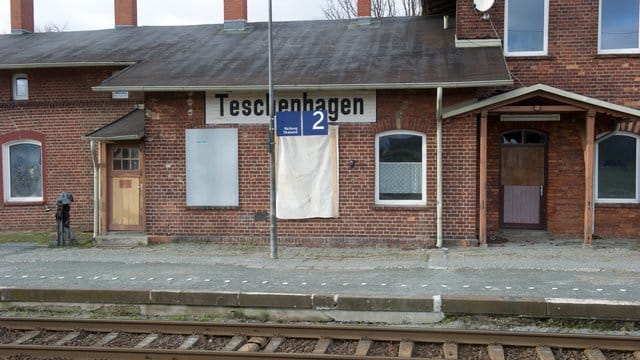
column 360, row 223
column 61, row 106
column 572, row 62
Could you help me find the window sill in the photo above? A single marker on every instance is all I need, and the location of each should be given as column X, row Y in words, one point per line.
column 400, row 207
column 617, row 55
column 617, row 205
column 196, row 208
column 529, row 57
column 23, row 203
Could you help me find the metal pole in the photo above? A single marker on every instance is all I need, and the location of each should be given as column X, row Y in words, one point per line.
column 272, row 152
column 439, row 167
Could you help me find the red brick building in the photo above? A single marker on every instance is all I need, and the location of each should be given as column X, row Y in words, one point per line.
column 181, row 131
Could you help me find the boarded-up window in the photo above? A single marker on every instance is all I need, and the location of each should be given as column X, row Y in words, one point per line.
column 212, row 167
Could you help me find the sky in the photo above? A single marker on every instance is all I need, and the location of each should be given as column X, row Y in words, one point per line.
column 76, row 15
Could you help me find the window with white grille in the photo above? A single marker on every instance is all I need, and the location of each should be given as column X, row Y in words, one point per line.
column 400, row 168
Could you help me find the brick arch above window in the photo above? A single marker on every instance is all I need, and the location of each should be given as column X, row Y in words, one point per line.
column 17, row 137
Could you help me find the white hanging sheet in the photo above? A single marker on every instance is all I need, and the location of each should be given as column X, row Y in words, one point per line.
column 307, row 176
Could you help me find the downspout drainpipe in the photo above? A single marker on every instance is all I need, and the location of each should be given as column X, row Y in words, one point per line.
column 96, row 189
column 439, row 167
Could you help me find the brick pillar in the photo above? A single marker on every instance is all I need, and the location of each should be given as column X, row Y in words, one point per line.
column 126, row 12
column 21, row 17
column 235, row 14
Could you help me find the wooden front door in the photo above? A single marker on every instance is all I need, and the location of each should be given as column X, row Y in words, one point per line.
column 523, row 175
column 125, row 187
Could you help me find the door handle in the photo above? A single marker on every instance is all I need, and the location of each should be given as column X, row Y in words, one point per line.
column 541, row 190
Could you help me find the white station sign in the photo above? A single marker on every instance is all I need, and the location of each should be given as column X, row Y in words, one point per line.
column 253, row 107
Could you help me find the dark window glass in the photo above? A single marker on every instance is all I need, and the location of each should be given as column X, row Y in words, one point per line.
column 617, row 168
column 126, row 158
column 26, row 170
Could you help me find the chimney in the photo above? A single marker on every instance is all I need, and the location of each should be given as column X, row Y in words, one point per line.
column 126, row 13
column 235, row 15
column 21, row 17
column 364, row 12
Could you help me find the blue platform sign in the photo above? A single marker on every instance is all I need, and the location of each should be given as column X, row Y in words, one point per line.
column 315, row 123
column 288, row 123
column 307, row 123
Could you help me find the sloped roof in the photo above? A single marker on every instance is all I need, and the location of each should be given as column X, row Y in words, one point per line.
column 522, row 93
column 128, row 127
column 409, row 52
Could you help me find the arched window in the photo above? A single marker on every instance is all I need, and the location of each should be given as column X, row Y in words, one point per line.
column 22, row 171
column 617, row 177
column 401, row 168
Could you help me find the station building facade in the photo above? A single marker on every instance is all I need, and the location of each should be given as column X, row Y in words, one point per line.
column 163, row 131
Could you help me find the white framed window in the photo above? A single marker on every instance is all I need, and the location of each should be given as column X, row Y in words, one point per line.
column 617, row 174
column 619, row 27
column 526, row 25
column 22, row 171
column 400, row 168
column 20, row 85
column 212, row 167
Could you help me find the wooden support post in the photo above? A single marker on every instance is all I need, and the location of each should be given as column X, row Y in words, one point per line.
column 589, row 135
column 482, row 218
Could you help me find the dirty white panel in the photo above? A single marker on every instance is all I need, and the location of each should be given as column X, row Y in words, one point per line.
column 212, row 167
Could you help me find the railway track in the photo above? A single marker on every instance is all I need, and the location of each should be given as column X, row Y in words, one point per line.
column 106, row 339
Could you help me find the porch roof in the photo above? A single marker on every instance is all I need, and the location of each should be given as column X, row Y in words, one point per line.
column 128, row 127
column 580, row 102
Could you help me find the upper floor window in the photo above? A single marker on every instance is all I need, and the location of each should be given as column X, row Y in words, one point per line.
column 526, row 27
column 400, row 168
column 20, row 86
column 617, row 170
column 619, row 26
column 22, row 171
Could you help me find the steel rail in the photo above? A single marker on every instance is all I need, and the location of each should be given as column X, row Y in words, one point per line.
column 161, row 354
column 564, row 340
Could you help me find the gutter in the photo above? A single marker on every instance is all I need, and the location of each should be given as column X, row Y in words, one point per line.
column 65, row 65
column 439, row 167
column 371, row 86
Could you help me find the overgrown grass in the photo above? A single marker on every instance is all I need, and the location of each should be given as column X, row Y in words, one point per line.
column 83, row 239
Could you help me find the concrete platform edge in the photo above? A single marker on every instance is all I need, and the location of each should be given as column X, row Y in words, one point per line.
column 329, row 306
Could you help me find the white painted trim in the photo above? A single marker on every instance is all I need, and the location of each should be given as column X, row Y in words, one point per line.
column 545, row 37
column 6, row 172
column 473, row 43
column 598, row 200
column 309, row 87
column 615, row 51
column 422, row 201
column 14, row 86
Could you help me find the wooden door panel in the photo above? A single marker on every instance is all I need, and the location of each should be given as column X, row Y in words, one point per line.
column 125, row 209
column 523, row 165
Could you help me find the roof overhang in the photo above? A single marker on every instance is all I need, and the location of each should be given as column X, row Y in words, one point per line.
column 363, row 86
column 128, row 128
column 572, row 102
column 65, row 65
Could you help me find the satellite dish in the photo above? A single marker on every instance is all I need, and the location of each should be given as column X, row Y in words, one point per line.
column 483, row 5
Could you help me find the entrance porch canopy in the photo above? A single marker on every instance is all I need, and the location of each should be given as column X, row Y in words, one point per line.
column 543, row 99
